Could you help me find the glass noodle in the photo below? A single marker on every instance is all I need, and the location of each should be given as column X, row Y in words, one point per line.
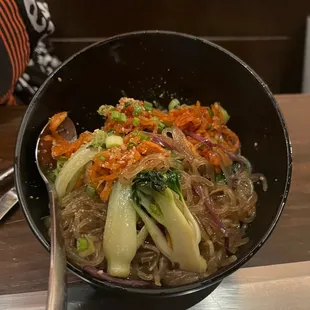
column 221, row 200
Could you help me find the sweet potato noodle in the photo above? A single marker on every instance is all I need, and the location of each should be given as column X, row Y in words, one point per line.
column 218, row 190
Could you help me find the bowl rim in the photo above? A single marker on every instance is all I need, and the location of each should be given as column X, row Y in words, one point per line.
column 167, row 291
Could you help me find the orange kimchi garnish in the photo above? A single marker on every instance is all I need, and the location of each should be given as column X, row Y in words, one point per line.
column 130, row 118
column 61, row 146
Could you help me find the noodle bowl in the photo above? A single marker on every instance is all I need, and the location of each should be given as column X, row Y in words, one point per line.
column 128, row 189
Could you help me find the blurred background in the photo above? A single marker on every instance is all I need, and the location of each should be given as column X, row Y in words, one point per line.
column 269, row 35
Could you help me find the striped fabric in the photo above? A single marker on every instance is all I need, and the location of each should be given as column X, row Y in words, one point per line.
column 15, row 40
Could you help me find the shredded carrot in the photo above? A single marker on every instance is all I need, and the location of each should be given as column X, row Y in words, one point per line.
column 148, row 147
column 66, row 148
column 56, row 120
column 104, row 195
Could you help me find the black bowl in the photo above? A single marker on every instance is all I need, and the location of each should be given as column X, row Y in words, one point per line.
column 157, row 65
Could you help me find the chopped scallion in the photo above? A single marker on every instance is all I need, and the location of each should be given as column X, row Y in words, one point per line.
column 119, row 117
column 136, row 121
column 131, row 145
column 81, row 244
column 123, row 118
column 161, row 126
column 210, row 111
column 104, row 109
column 148, row 106
column 127, row 104
column 91, row 191
column 137, row 109
column 143, row 137
column 115, row 115
column 174, row 104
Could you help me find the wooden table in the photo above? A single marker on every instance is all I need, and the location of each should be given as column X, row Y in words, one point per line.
column 24, row 262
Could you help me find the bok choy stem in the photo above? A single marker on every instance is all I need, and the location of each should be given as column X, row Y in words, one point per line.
column 72, row 170
column 120, row 234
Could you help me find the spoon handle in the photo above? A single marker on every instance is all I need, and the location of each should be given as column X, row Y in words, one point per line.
column 57, row 290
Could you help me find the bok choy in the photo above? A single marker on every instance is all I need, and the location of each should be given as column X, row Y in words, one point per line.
column 120, row 233
column 160, row 190
column 72, row 170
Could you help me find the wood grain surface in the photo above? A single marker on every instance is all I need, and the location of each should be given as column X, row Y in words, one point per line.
column 24, row 262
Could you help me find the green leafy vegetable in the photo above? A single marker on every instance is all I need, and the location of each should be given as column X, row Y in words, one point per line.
column 154, row 192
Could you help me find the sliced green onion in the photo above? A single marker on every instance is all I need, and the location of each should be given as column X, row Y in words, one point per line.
column 89, row 250
column 137, row 109
column 225, row 115
column 81, row 244
column 115, row 115
column 102, row 158
column 111, row 132
column 119, row 117
column 210, row 111
column 127, row 104
column 123, row 118
column 91, row 191
column 161, row 126
column 136, row 121
column 131, row 145
column 104, row 109
column 143, row 137
column 174, row 104
column 113, row 140
column 148, row 106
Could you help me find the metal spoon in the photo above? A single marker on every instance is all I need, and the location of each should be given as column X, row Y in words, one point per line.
column 57, row 291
